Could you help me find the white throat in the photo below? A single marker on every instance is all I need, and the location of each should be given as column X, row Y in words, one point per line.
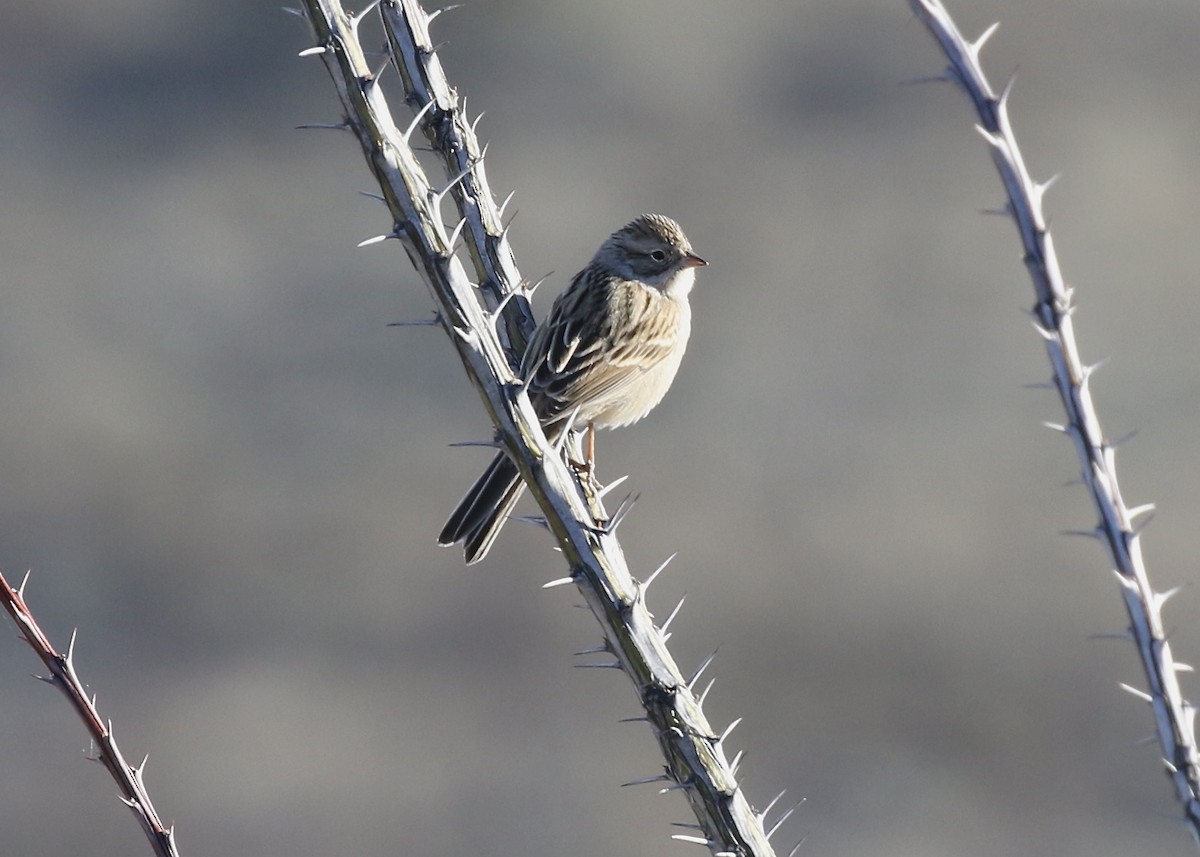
column 680, row 285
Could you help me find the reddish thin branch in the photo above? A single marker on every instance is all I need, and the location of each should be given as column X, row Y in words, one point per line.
column 63, row 676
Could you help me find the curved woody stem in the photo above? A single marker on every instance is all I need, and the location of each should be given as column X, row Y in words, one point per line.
column 1052, row 313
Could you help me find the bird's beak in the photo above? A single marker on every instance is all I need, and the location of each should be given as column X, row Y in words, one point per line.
column 691, row 260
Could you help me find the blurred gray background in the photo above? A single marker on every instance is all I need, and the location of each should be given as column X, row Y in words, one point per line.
column 224, row 468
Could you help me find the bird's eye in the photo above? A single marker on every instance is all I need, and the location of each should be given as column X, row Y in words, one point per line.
column 658, row 256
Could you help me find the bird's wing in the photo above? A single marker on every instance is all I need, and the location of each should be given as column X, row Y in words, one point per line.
column 595, row 342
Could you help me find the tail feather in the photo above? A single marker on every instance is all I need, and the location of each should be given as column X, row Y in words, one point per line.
column 480, row 540
column 478, row 517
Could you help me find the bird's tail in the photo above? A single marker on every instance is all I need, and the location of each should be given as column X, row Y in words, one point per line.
column 478, row 517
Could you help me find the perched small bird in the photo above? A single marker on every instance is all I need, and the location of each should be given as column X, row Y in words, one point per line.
column 604, row 357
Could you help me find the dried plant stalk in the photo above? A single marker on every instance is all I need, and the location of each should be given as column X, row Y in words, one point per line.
column 130, row 780
column 694, row 755
column 1116, row 529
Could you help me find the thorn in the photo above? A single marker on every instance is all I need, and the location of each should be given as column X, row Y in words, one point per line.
column 641, row 718
column 785, row 817
column 529, row 379
column 793, row 852
column 491, row 444
column 1002, row 101
column 504, row 229
column 292, row 10
column 737, row 760
column 704, row 694
column 997, row 212
column 696, row 675
column 930, row 78
column 729, row 728
column 1146, row 740
column 978, row 44
column 1094, row 533
column 71, row 646
column 378, row 239
column 1040, row 385
column 695, row 840
column 327, row 126
column 315, row 51
column 1140, row 694
column 600, row 495
column 1161, row 598
column 762, row 815
column 1125, row 582
column 610, row 526
column 684, row 825
column 473, row 126
column 594, row 650
column 529, row 290
column 383, row 66
column 657, row 778
column 1044, row 332
column 1123, row 439
column 671, row 618
column 993, row 140
column 356, row 19
column 1056, row 427
column 425, row 322
column 455, row 235
column 375, row 196
column 1181, row 667
column 1138, row 511
column 416, row 120
column 570, row 426
column 536, row 520
column 507, row 200
column 24, row 580
column 561, row 581
column 440, row 195
column 613, row 666
column 1040, row 188
column 1092, row 367
column 508, row 296
column 658, row 571
column 429, row 18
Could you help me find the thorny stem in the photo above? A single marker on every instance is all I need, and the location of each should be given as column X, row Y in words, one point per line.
column 695, row 761
column 63, row 676
column 1174, row 716
column 450, row 134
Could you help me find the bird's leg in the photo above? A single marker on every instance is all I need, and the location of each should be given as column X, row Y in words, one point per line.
column 590, row 456
column 587, row 450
